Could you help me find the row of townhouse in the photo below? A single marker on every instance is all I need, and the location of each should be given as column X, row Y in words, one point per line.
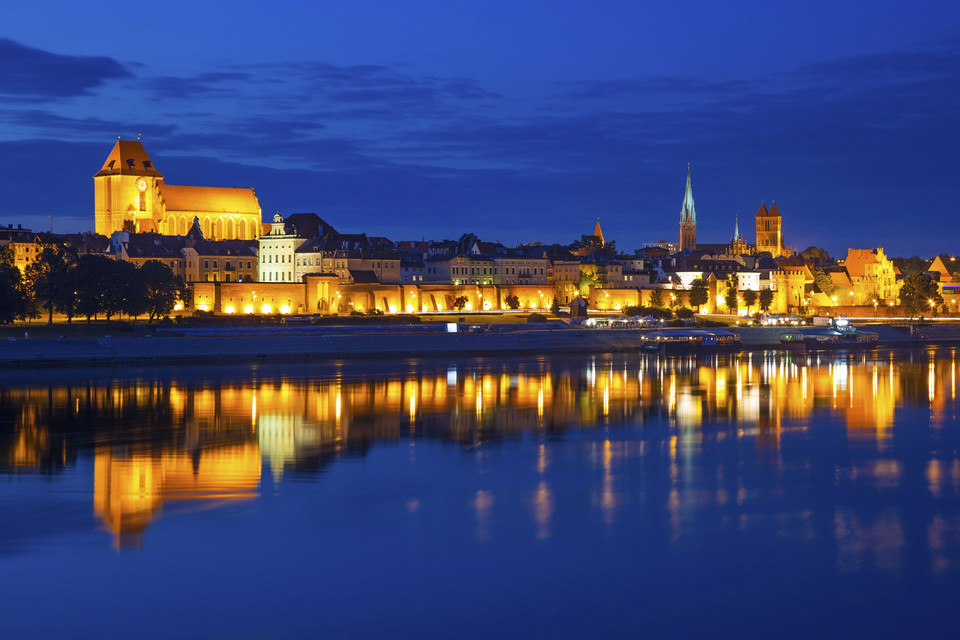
column 191, row 256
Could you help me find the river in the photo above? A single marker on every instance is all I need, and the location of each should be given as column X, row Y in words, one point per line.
column 614, row 495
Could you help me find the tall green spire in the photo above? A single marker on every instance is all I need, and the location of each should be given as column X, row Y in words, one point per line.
column 689, row 212
column 736, row 228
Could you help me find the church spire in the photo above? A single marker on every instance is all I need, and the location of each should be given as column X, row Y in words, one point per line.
column 598, row 232
column 689, row 212
column 736, row 228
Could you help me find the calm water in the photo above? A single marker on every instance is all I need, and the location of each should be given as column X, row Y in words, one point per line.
column 619, row 496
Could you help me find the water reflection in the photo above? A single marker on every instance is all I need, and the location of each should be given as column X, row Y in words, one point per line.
column 202, row 437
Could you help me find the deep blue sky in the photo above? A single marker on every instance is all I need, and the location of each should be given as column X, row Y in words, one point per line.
column 514, row 120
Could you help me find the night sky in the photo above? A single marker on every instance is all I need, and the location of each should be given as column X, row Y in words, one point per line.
column 513, row 120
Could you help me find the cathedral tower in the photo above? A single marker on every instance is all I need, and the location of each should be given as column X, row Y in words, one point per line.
column 769, row 233
column 126, row 191
column 688, row 218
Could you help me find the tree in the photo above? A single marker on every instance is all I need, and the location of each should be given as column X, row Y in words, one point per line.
column 460, row 302
column 766, row 298
column 585, row 281
column 656, row 298
column 823, row 283
column 13, row 297
column 513, row 302
column 730, row 298
column 131, row 289
column 911, row 265
column 47, row 275
column 817, row 255
column 920, row 292
column 699, row 293
column 555, row 306
column 92, row 281
column 749, row 298
column 163, row 288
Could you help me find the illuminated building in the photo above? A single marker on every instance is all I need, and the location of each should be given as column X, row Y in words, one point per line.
column 131, row 195
column 769, row 231
column 191, row 257
column 22, row 242
column 872, row 274
column 688, row 218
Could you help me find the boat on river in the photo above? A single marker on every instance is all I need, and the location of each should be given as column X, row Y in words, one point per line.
column 829, row 339
column 687, row 340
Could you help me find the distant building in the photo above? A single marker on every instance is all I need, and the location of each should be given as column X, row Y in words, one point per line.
column 770, row 231
column 669, row 247
column 22, row 243
column 191, row 256
column 688, row 218
column 131, row 195
column 278, row 261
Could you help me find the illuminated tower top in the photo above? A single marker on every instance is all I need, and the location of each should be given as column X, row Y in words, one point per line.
column 128, row 158
column 598, row 232
column 688, row 213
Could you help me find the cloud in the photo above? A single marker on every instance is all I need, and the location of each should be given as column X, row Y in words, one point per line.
column 190, row 87
column 32, row 74
column 650, row 86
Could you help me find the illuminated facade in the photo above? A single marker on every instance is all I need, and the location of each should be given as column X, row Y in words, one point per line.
column 770, row 231
column 131, row 195
column 22, row 244
column 872, row 274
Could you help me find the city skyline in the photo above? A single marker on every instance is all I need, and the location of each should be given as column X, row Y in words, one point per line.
column 387, row 122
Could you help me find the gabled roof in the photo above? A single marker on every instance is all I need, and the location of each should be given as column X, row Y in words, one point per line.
column 937, row 266
column 128, row 158
column 774, row 212
column 210, row 199
column 840, row 279
column 762, row 211
column 857, row 260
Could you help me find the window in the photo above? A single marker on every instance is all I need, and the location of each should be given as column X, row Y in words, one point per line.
column 206, row 264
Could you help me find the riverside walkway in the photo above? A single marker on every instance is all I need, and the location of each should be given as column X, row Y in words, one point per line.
column 225, row 345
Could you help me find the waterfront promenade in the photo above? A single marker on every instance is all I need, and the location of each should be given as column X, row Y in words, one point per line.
column 288, row 344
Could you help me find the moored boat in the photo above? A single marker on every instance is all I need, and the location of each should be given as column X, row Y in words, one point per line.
column 829, row 340
column 690, row 340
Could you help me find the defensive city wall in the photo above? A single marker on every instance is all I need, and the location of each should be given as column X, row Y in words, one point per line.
column 324, row 295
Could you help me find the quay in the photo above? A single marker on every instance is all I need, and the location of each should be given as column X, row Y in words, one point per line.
column 291, row 344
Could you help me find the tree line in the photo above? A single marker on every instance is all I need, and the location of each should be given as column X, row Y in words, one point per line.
column 85, row 286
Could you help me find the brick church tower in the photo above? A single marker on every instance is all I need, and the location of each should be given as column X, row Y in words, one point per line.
column 688, row 218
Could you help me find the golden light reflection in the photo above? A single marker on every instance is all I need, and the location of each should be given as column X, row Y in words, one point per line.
column 224, row 429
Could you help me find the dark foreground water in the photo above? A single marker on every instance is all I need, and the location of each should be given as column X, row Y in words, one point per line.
column 759, row 495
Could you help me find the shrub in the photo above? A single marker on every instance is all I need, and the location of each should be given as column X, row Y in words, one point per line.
column 536, row 317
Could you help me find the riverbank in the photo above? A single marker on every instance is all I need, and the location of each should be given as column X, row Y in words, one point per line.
column 300, row 344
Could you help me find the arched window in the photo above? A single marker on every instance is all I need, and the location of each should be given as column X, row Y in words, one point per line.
column 218, row 229
column 231, row 231
column 242, row 229
column 205, row 227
